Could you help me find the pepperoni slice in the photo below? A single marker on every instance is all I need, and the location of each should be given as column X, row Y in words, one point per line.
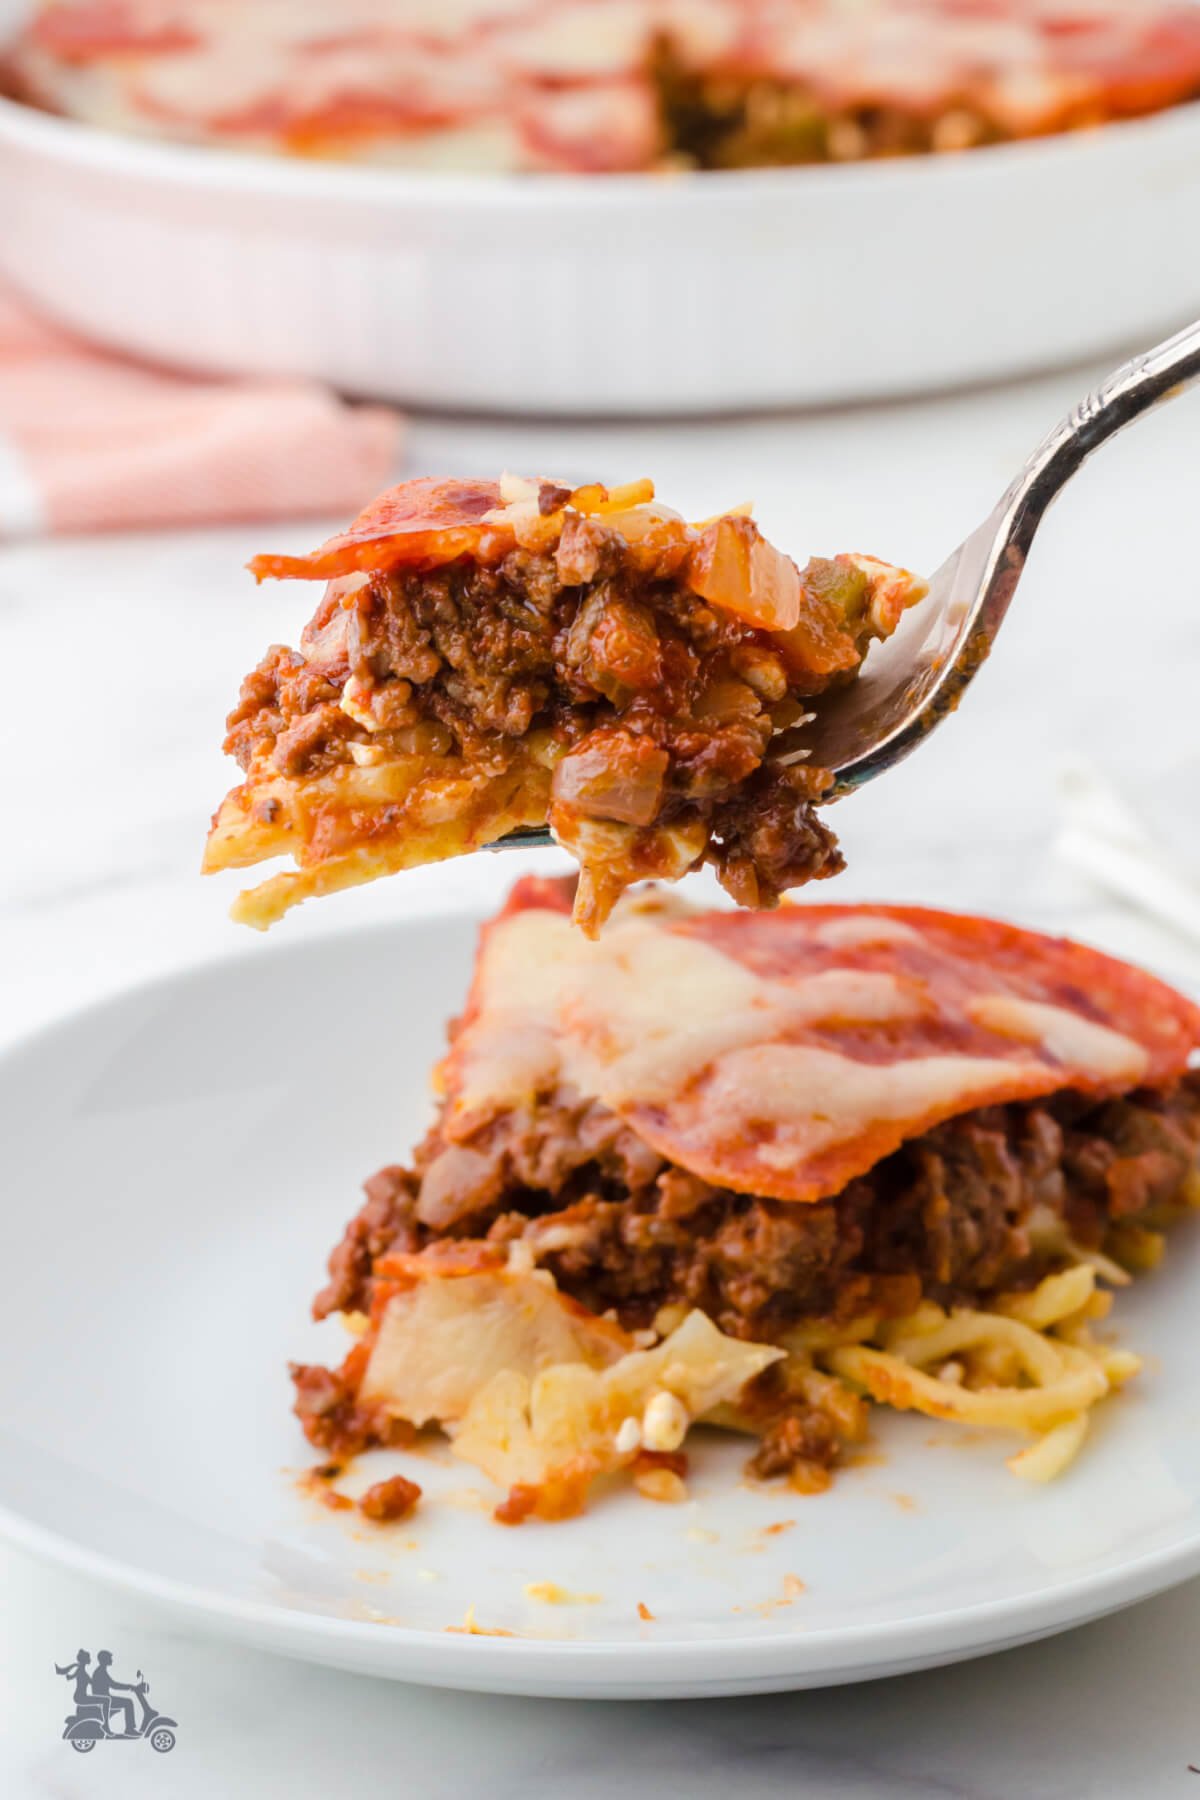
column 416, row 525
column 785, row 1053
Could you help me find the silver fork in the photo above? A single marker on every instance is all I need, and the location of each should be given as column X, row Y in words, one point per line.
column 915, row 680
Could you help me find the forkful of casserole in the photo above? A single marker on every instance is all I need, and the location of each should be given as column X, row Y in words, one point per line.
column 514, row 662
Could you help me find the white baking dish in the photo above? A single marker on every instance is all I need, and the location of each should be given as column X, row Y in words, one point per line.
column 609, row 294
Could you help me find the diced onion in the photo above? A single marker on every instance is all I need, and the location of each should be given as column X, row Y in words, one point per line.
column 735, row 568
column 612, row 776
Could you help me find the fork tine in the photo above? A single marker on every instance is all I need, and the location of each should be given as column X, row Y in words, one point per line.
column 527, row 838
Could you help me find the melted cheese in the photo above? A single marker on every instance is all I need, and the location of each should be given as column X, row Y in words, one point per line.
column 814, row 1099
column 1066, row 1036
column 673, row 1006
column 861, row 929
column 646, row 1011
column 512, row 1050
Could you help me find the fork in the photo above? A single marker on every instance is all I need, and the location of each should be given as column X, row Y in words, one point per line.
column 916, row 679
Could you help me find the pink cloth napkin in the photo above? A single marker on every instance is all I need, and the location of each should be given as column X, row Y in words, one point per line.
column 90, row 442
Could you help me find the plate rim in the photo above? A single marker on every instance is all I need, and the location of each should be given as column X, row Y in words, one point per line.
column 448, row 1657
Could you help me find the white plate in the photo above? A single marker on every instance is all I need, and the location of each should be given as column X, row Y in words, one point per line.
column 177, row 1164
column 610, row 294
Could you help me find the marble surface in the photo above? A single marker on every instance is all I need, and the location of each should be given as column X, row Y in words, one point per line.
column 119, row 767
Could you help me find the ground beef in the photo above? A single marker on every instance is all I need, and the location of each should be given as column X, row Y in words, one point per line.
column 770, row 837
column 387, row 1221
column 392, row 1499
column 803, row 1436
column 661, row 708
column 333, row 1420
column 953, row 1215
column 713, row 121
column 291, row 707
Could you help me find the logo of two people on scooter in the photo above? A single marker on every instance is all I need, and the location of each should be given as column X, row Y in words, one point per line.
column 100, row 1698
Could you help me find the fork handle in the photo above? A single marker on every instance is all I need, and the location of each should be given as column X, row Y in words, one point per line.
column 919, row 678
column 1140, row 384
